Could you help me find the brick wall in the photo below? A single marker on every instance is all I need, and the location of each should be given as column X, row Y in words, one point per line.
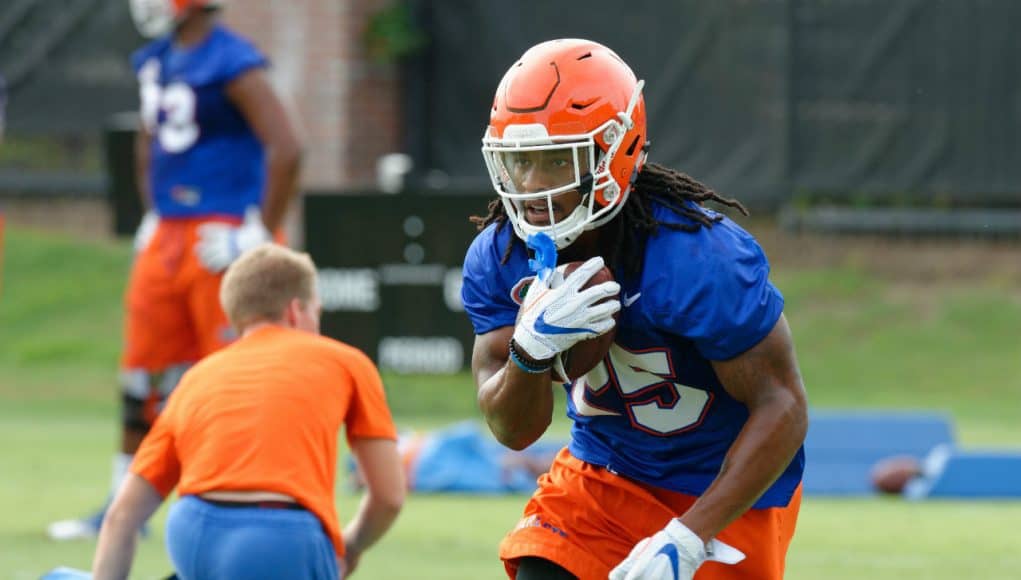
column 346, row 108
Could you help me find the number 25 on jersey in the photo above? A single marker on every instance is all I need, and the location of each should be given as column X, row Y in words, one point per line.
column 644, row 391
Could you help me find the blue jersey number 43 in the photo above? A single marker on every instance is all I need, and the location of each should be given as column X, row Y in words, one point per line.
column 168, row 113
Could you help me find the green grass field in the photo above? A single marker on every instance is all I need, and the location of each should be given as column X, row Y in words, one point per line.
column 863, row 341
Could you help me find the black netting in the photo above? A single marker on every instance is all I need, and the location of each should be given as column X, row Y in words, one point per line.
column 761, row 99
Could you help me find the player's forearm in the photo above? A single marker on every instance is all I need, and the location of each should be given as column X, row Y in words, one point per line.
column 372, row 521
column 769, row 440
column 135, row 502
column 283, row 165
column 142, row 155
column 115, row 550
column 518, row 406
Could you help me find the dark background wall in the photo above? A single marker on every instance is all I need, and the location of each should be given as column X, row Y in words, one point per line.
column 66, row 64
column 762, row 99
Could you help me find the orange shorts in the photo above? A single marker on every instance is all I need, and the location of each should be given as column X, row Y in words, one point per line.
column 587, row 519
column 173, row 302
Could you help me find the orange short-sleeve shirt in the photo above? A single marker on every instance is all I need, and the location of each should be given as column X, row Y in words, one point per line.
column 263, row 414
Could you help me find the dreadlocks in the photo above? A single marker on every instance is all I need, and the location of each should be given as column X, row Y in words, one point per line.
column 627, row 233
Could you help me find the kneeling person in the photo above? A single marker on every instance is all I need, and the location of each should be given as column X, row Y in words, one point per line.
column 249, row 439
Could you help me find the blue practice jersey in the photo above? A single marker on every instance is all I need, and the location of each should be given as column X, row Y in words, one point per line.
column 654, row 409
column 205, row 159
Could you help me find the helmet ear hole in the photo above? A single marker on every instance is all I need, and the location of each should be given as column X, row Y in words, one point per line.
column 631, row 147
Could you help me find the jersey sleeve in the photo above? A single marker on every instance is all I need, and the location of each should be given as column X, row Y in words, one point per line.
column 140, row 56
column 721, row 299
column 488, row 307
column 156, row 460
column 368, row 414
column 239, row 56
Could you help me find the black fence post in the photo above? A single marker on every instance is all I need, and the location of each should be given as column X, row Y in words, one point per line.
column 122, row 191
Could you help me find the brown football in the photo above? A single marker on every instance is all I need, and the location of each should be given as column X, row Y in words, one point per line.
column 890, row 475
column 585, row 355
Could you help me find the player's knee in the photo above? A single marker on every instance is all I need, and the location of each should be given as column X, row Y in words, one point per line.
column 135, row 391
column 133, row 414
column 144, row 393
column 166, row 381
column 534, row 568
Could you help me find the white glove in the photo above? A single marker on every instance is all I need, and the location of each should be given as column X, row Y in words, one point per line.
column 146, row 230
column 673, row 553
column 220, row 244
column 554, row 318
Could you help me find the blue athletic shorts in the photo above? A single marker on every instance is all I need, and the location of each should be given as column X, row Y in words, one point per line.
column 207, row 541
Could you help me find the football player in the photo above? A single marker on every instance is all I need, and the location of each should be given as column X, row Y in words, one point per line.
column 249, row 442
column 686, row 444
column 217, row 164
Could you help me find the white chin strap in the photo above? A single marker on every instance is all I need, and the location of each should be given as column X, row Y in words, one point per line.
column 564, row 233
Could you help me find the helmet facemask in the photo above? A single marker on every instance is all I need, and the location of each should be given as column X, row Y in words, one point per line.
column 541, row 177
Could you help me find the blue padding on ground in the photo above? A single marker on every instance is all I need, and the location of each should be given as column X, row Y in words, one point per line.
column 464, row 458
column 65, row 573
column 968, row 474
column 843, row 446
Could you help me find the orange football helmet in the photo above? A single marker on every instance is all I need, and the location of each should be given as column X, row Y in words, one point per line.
column 575, row 106
column 155, row 18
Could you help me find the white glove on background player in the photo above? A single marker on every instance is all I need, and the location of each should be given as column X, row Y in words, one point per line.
column 220, row 244
column 554, row 318
column 673, row 553
column 146, row 230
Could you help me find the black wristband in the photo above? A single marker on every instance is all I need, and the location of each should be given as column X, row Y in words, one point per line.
column 528, row 367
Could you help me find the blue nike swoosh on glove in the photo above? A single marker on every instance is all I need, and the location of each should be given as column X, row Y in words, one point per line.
column 546, row 328
column 670, row 551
